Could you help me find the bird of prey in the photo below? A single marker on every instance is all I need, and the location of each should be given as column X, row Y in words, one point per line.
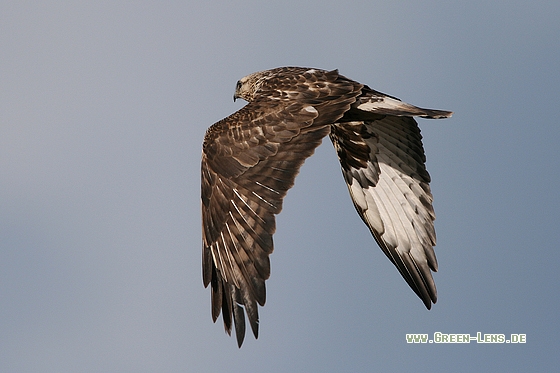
column 251, row 158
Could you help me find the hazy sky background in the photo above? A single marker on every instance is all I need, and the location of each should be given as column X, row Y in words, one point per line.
column 103, row 108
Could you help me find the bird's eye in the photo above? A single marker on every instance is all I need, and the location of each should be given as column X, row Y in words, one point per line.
column 238, row 86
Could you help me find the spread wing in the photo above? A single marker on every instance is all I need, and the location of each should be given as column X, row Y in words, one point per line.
column 249, row 161
column 383, row 164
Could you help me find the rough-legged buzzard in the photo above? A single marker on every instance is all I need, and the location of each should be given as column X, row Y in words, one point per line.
column 251, row 158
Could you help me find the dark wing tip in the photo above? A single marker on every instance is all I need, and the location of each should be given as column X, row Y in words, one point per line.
column 436, row 114
column 239, row 320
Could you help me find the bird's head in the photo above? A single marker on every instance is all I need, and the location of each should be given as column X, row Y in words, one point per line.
column 247, row 86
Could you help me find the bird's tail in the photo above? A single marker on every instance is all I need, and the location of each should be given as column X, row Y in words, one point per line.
column 378, row 103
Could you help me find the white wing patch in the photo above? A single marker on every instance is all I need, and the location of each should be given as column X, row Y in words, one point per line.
column 393, row 207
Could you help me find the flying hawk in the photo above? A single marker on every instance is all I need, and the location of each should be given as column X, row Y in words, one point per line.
column 251, row 158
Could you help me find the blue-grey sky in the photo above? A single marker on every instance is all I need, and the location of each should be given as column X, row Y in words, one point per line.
column 103, row 108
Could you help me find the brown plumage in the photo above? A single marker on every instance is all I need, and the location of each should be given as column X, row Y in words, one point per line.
column 251, row 158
